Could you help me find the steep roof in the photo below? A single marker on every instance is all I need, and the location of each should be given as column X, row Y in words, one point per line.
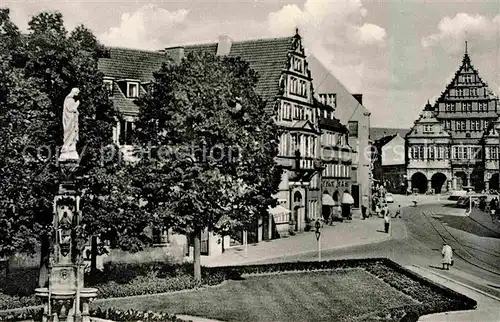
column 376, row 133
column 124, row 63
column 384, row 140
column 268, row 57
column 325, row 82
column 466, row 67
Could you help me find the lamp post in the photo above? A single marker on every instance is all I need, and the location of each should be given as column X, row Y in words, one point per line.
column 468, row 172
column 318, row 238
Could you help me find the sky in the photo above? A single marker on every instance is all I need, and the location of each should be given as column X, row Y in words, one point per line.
column 398, row 54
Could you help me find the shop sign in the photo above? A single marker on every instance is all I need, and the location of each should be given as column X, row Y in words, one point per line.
column 335, row 183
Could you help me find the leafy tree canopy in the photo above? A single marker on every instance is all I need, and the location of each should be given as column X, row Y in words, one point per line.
column 214, row 145
column 39, row 68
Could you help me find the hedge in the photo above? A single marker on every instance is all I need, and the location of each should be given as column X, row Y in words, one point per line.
column 157, row 277
column 111, row 314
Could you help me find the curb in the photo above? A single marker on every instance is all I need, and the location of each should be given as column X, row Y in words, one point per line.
column 458, row 282
column 386, row 238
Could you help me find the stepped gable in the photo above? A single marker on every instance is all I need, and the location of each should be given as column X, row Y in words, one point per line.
column 466, row 68
column 427, row 116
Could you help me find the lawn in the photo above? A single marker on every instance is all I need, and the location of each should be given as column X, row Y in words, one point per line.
column 337, row 295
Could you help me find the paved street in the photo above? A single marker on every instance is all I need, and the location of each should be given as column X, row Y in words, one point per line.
column 349, row 233
column 415, row 242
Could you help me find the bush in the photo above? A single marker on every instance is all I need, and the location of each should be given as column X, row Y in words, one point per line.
column 149, row 284
column 8, row 302
column 122, row 280
column 133, row 316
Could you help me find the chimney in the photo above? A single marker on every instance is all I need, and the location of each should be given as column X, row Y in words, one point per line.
column 359, row 98
column 224, row 45
column 176, row 53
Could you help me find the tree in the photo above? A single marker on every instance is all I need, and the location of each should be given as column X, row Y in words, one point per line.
column 41, row 67
column 212, row 162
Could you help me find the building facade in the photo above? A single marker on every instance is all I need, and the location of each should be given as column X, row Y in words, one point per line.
column 351, row 113
column 336, row 156
column 389, row 165
column 454, row 143
column 285, row 83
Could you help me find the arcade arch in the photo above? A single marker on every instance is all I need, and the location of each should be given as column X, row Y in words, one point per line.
column 419, row 181
column 494, row 181
column 438, row 182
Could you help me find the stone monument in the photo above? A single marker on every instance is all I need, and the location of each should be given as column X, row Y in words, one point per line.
column 70, row 126
column 66, row 298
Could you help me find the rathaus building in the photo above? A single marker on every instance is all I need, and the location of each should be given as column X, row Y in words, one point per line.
column 454, row 143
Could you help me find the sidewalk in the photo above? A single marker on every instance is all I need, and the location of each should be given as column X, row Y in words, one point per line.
column 487, row 305
column 346, row 234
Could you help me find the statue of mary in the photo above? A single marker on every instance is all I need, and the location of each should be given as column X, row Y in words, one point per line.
column 70, row 126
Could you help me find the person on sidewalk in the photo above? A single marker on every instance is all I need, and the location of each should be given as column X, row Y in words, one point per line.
column 387, row 222
column 363, row 211
column 386, row 210
column 447, row 253
column 398, row 212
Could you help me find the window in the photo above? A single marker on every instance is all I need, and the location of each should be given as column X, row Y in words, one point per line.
column 427, row 128
column 329, row 99
column 483, row 106
column 475, row 125
column 467, row 107
column 126, row 132
column 494, row 153
column 460, row 125
column 353, row 128
column 466, row 152
column 460, row 92
column 468, row 78
column 108, row 86
column 286, row 111
column 297, row 64
column 303, row 88
column 440, row 152
column 450, row 107
column 296, row 112
column 455, row 152
column 430, row 153
column 447, row 124
column 473, row 92
column 132, row 90
column 485, row 124
column 421, row 152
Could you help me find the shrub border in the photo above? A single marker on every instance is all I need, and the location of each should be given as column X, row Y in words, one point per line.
column 217, row 275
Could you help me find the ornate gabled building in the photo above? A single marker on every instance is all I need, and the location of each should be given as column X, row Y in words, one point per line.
column 285, row 83
column 454, row 143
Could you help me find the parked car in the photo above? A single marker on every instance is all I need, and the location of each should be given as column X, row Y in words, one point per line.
column 464, row 202
column 456, row 195
column 389, row 198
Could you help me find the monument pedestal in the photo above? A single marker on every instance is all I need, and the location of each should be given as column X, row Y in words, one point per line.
column 66, row 299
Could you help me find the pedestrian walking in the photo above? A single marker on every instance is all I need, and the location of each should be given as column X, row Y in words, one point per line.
column 387, row 222
column 363, row 211
column 493, row 209
column 398, row 212
column 386, row 210
column 447, row 253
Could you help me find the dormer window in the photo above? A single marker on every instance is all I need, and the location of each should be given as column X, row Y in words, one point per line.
column 108, row 86
column 132, row 90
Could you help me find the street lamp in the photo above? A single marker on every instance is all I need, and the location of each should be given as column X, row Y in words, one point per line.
column 318, row 238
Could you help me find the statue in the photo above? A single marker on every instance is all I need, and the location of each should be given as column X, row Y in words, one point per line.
column 70, row 126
